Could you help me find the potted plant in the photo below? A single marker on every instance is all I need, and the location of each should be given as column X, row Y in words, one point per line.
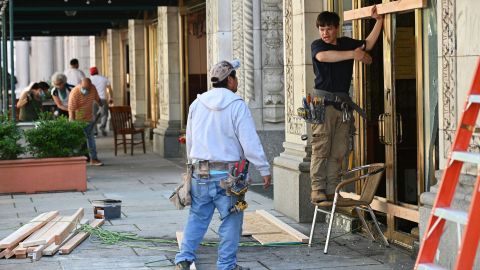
column 57, row 162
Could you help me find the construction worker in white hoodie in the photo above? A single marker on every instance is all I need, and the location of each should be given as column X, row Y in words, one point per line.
column 220, row 133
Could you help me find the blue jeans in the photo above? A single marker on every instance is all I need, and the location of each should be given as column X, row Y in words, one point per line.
column 206, row 196
column 92, row 147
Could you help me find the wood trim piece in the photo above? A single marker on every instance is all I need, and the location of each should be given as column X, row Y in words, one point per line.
column 385, row 8
column 389, row 208
column 179, row 241
column 291, row 231
column 36, row 253
column 79, row 238
column 27, row 229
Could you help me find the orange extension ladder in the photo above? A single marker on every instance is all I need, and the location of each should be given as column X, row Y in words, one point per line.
column 442, row 210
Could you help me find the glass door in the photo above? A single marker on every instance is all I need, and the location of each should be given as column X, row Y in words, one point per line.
column 391, row 92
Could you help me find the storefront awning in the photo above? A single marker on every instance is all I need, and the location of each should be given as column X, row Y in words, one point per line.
column 77, row 17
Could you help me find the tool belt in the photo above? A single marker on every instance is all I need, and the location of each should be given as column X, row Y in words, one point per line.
column 313, row 111
column 342, row 98
column 203, row 167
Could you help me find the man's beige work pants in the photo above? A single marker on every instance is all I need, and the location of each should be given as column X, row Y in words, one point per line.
column 330, row 143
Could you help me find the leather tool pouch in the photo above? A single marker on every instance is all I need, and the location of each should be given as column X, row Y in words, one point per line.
column 203, row 169
column 181, row 197
column 227, row 183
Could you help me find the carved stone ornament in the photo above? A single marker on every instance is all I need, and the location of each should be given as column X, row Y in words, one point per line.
column 295, row 125
column 449, row 73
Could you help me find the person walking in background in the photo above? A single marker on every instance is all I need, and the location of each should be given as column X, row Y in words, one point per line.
column 74, row 75
column 30, row 101
column 80, row 107
column 104, row 90
column 220, row 132
column 60, row 93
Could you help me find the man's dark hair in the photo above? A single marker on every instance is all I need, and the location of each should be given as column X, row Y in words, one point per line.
column 74, row 62
column 328, row 18
column 43, row 85
column 224, row 83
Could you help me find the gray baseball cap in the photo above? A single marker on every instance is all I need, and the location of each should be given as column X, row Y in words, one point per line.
column 221, row 70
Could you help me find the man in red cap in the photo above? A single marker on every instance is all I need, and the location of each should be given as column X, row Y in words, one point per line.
column 104, row 90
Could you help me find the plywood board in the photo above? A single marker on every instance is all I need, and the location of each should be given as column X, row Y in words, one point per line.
column 385, row 8
column 23, row 232
column 256, row 224
column 179, row 241
column 300, row 237
column 274, row 238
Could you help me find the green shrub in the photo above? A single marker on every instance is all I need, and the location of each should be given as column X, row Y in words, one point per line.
column 10, row 134
column 56, row 138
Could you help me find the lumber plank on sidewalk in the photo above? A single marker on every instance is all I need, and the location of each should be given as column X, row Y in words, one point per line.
column 3, row 252
column 9, row 253
column 39, row 233
column 288, row 229
column 179, row 241
column 53, row 248
column 256, row 224
column 79, row 238
column 36, row 253
column 385, row 8
column 58, row 232
column 23, row 232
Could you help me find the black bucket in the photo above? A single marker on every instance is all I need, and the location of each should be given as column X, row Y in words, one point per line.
column 107, row 209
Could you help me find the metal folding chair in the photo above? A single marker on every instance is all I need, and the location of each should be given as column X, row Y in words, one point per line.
column 372, row 175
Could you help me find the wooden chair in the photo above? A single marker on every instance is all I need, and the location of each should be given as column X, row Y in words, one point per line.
column 121, row 117
column 372, row 175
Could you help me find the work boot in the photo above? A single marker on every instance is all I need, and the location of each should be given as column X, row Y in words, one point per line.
column 318, row 196
column 238, row 267
column 183, row 265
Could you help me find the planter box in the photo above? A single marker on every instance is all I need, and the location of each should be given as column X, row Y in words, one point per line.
column 43, row 174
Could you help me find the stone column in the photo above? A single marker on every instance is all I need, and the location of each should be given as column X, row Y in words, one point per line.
column 165, row 139
column 22, row 65
column 291, row 168
column 138, row 91
column 96, row 53
column 41, row 68
column 219, row 31
column 114, row 46
column 59, row 56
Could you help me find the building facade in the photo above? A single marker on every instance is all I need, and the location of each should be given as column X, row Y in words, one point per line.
column 422, row 69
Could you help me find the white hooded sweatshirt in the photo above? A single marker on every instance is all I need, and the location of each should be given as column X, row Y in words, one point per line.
column 220, row 128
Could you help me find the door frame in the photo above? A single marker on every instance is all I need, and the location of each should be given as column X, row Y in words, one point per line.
column 390, row 205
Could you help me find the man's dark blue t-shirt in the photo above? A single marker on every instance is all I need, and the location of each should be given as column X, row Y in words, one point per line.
column 334, row 77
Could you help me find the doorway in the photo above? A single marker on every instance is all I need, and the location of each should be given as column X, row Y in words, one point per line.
column 194, row 53
column 391, row 91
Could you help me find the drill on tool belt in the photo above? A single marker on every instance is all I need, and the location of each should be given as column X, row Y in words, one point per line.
column 240, row 185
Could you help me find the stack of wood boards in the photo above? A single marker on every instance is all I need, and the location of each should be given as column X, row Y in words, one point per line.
column 45, row 235
column 268, row 229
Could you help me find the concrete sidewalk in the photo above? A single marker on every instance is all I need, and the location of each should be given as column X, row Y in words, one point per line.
column 144, row 182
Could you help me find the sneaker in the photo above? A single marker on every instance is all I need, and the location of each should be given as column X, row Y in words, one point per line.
column 238, row 267
column 96, row 162
column 183, row 265
column 318, row 196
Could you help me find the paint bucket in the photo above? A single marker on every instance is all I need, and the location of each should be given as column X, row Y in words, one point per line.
column 107, row 209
